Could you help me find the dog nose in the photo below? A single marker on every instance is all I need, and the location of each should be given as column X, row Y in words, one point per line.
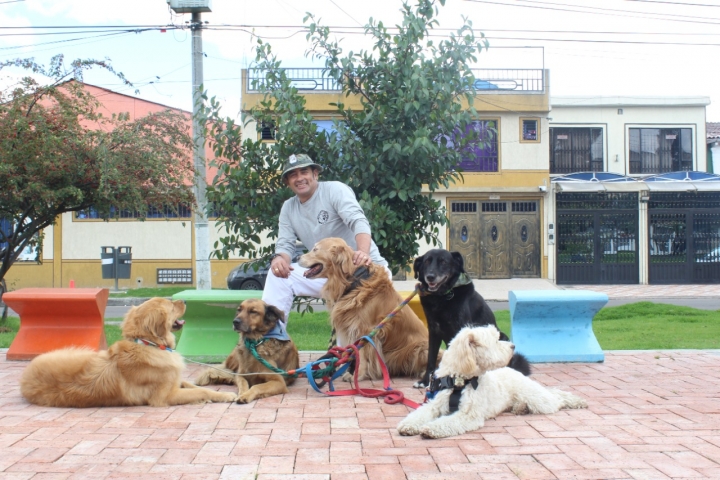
column 513, row 346
column 430, row 277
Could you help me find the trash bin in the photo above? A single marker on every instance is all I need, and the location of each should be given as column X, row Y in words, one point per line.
column 108, row 260
column 124, row 262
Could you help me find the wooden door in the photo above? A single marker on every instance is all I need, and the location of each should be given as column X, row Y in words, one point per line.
column 494, row 240
column 465, row 234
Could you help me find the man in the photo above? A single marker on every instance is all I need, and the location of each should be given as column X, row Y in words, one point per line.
column 318, row 210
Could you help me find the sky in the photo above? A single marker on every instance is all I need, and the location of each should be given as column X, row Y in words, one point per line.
column 649, row 48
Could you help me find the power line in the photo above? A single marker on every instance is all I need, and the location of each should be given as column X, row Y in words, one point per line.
column 675, row 3
column 625, row 13
column 65, row 41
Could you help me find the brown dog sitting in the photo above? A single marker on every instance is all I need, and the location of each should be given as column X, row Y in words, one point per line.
column 258, row 322
column 359, row 298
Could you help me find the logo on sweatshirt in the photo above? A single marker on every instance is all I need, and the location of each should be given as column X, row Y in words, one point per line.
column 323, row 217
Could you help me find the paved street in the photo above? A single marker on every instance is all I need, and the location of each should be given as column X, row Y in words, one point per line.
column 652, row 415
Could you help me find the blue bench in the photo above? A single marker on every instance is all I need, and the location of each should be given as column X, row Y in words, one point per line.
column 556, row 326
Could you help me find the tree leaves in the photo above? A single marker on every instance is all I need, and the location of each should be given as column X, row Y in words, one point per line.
column 60, row 155
column 412, row 92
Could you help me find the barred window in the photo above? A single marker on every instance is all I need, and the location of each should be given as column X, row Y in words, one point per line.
column 660, row 150
column 576, row 150
column 482, row 154
column 182, row 211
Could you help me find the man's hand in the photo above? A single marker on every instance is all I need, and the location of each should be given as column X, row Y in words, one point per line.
column 361, row 258
column 280, row 266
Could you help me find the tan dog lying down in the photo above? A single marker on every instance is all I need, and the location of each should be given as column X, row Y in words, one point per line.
column 256, row 321
column 358, row 303
column 133, row 371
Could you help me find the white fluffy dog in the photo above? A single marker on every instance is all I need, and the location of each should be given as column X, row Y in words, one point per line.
column 476, row 358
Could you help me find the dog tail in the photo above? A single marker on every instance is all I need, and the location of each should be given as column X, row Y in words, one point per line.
column 520, row 363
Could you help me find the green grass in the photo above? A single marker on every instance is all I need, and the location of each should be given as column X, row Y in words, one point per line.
column 310, row 331
column 112, row 332
column 635, row 326
column 650, row 326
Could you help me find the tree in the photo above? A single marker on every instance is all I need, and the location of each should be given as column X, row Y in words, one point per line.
column 59, row 154
column 416, row 96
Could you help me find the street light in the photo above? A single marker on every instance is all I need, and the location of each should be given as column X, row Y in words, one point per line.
column 202, row 236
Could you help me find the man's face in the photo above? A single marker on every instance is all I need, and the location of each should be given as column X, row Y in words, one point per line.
column 303, row 182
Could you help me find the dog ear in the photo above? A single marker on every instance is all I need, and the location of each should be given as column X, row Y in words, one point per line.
column 273, row 314
column 418, row 265
column 342, row 257
column 458, row 259
column 461, row 354
column 156, row 316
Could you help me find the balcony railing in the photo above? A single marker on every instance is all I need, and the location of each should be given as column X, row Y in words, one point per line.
column 488, row 80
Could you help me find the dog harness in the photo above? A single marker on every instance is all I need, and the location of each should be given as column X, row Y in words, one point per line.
column 457, row 384
column 361, row 273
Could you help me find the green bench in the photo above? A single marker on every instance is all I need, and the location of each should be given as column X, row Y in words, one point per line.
column 208, row 335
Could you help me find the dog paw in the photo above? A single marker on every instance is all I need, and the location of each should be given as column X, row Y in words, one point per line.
column 230, row 397
column 419, row 384
column 430, row 433
column 408, row 430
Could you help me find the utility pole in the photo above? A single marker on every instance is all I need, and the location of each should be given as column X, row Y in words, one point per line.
column 202, row 234
column 203, row 279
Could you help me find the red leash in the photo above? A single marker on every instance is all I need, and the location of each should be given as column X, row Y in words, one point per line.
column 389, row 395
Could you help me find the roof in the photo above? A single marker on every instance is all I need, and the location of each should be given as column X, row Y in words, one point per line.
column 712, row 130
column 628, row 101
column 611, row 182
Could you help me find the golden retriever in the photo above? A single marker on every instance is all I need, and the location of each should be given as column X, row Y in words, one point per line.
column 140, row 369
column 257, row 321
column 356, row 309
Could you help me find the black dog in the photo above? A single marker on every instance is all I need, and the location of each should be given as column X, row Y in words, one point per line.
column 450, row 302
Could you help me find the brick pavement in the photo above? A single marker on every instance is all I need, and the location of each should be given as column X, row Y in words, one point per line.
column 652, row 415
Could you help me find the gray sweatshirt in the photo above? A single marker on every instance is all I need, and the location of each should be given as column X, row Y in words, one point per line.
column 332, row 211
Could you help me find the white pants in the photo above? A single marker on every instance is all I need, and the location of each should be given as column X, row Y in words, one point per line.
column 280, row 292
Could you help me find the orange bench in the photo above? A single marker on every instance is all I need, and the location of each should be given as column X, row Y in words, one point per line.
column 52, row 318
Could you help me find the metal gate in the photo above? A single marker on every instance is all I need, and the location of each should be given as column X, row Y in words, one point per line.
column 597, row 238
column 684, row 235
column 497, row 239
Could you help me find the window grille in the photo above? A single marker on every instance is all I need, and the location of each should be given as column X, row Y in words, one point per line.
column 463, row 207
column 660, row 150
column 494, row 207
column 576, row 150
column 524, row 206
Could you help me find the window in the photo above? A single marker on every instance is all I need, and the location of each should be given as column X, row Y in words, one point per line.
column 481, row 155
column 182, row 211
column 29, row 253
column 660, row 150
column 529, row 130
column 576, row 150
column 267, row 131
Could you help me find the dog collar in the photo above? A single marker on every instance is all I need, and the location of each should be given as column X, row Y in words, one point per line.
column 142, row 341
column 360, row 274
column 278, row 332
column 462, row 280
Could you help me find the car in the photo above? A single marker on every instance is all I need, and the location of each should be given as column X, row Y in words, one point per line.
column 711, row 256
column 248, row 278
